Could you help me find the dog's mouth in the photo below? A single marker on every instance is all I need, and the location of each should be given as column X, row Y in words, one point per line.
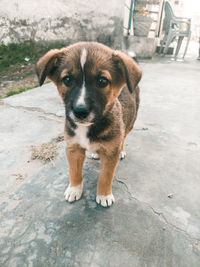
column 89, row 120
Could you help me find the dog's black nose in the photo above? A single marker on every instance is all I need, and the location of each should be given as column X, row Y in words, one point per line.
column 81, row 111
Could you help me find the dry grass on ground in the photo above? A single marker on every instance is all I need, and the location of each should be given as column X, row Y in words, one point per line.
column 47, row 152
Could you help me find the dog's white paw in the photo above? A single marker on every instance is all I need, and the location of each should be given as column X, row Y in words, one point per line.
column 73, row 193
column 122, row 155
column 105, row 201
column 94, row 156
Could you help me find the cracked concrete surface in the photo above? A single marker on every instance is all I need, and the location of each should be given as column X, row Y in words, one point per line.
column 155, row 221
column 160, row 214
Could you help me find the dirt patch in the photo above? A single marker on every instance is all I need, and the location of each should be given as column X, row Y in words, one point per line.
column 58, row 139
column 17, row 65
column 18, row 176
column 22, row 76
column 47, row 152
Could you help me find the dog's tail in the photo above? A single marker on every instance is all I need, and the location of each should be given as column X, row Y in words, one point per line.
column 132, row 54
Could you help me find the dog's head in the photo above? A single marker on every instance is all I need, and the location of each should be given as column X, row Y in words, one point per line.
column 89, row 78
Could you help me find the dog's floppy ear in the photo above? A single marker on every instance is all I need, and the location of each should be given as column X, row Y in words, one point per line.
column 47, row 65
column 129, row 68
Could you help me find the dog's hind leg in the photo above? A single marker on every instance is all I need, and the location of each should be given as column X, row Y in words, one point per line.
column 75, row 156
column 122, row 153
column 95, row 156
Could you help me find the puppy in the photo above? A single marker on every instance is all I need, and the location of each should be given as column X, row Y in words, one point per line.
column 99, row 89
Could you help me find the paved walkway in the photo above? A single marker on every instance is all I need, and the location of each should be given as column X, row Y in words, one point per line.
column 155, row 221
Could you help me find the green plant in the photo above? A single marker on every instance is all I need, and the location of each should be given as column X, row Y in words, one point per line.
column 16, row 54
column 20, row 90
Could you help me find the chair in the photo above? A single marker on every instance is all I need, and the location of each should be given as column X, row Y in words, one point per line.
column 174, row 27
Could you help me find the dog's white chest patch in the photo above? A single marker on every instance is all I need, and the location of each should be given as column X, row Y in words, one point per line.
column 81, row 137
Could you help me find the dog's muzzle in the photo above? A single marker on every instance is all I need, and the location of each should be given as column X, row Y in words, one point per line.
column 81, row 112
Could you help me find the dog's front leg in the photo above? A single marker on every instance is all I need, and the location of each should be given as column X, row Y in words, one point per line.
column 104, row 186
column 75, row 156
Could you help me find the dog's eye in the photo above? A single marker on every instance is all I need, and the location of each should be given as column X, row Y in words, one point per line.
column 67, row 80
column 102, row 82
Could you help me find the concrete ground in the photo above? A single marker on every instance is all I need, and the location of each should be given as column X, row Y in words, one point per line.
column 155, row 221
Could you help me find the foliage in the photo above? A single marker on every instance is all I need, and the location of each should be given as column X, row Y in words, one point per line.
column 21, row 89
column 15, row 54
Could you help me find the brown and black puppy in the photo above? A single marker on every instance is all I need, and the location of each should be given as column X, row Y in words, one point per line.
column 99, row 89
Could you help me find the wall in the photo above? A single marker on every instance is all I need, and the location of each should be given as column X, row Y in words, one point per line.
column 62, row 20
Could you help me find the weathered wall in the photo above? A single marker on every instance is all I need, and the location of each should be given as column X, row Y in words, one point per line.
column 62, row 20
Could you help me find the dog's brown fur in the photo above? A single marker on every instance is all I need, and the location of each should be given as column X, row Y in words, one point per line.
column 121, row 97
